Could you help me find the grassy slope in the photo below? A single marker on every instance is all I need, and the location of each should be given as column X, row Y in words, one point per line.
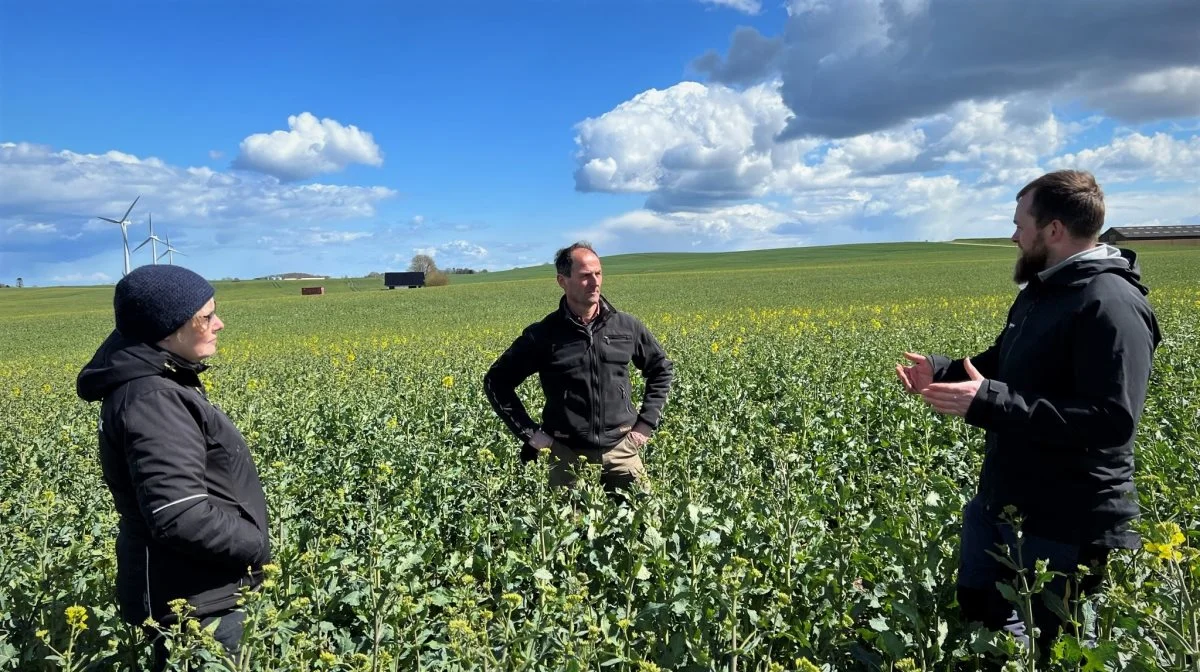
column 823, row 270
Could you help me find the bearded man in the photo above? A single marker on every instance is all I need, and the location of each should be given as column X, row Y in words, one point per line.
column 1060, row 393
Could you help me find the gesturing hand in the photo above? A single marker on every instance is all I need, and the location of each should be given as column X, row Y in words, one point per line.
column 954, row 398
column 916, row 376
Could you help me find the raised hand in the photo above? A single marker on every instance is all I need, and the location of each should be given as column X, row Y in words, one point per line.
column 917, row 375
column 954, row 398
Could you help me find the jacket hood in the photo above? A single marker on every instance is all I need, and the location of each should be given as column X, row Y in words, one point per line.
column 1083, row 267
column 119, row 360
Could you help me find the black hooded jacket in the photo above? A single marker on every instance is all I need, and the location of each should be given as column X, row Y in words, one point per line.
column 193, row 518
column 1065, row 385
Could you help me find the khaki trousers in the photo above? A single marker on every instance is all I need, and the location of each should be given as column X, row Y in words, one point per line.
column 620, row 465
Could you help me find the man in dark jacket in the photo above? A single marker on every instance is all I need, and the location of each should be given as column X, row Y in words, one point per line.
column 1060, row 394
column 193, row 518
column 581, row 353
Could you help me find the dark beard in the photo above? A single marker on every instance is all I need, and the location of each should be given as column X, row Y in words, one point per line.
column 1029, row 265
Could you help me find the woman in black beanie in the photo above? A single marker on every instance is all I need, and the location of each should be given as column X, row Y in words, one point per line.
column 193, row 518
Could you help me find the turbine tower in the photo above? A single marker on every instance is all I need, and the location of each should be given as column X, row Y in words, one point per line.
column 153, row 240
column 124, row 224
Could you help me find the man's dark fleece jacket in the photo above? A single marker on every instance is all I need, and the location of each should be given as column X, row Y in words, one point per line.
column 1065, row 386
column 193, row 518
column 584, row 371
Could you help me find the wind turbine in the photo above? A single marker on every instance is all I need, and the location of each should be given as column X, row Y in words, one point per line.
column 124, row 224
column 170, row 252
column 153, row 240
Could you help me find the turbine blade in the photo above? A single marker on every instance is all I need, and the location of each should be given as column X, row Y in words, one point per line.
column 131, row 208
column 108, row 220
column 142, row 245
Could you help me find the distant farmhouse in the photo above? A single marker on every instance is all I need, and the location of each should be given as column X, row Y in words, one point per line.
column 1122, row 234
column 294, row 276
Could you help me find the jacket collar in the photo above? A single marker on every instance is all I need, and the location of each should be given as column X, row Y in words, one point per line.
column 606, row 310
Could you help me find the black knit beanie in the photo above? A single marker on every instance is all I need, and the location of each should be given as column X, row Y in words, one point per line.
column 153, row 301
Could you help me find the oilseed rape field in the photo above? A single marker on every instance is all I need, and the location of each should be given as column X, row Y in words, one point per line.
column 804, row 513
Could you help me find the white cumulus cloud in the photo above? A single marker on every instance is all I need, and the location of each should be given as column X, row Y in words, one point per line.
column 687, row 143
column 38, row 227
column 40, row 182
column 465, row 248
column 1136, row 156
column 310, row 147
column 694, row 147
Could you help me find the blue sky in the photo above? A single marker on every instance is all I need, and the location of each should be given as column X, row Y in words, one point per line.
column 342, row 139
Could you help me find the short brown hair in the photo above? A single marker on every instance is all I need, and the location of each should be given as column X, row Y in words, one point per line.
column 1070, row 196
column 564, row 263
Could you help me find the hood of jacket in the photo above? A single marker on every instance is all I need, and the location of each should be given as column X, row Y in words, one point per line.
column 119, row 360
column 1083, row 267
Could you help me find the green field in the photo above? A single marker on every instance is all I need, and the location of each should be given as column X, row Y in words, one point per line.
column 804, row 513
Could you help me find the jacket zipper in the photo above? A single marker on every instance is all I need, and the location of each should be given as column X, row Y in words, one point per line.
column 149, row 600
column 596, row 411
column 1020, row 327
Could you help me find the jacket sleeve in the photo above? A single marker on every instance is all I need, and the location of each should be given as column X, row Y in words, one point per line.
column 167, row 454
column 651, row 360
column 1110, row 364
column 500, row 384
column 946, row 370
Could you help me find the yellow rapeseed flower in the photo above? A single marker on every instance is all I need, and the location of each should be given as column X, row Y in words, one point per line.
column 77, row 617
column 806, row 665
column 459, row 626
column 1168, row 549
column 448, row 382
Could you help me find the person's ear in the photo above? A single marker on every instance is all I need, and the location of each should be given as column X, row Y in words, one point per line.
column 1056, row 231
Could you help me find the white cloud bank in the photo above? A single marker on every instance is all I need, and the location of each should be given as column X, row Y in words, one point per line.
column 308, row 148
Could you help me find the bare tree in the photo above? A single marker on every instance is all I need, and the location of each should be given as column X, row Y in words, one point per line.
column 423, row 263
